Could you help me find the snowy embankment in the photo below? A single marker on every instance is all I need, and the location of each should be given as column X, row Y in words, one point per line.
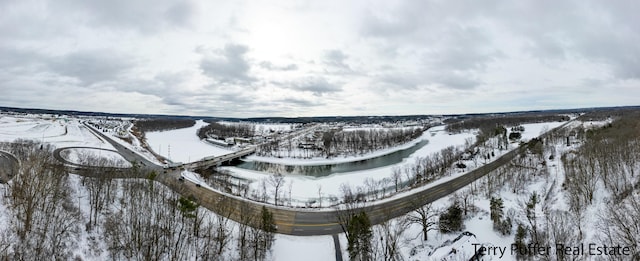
column 183, row 145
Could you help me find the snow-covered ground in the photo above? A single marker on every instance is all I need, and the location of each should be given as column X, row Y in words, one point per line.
column 183, row 145
column 267, row 128
column 313, row 248
column 533, row 130
column 61, row 132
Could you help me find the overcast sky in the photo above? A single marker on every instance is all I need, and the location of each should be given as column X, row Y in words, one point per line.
column 318, row 58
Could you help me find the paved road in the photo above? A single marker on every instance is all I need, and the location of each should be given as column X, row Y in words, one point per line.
column 336, row 245
column 126, row 152
column 8, row 166
column 112, row 172
column 302, row 222
column 215, row 161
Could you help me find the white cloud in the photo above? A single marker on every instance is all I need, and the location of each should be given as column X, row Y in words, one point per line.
column 313, row 58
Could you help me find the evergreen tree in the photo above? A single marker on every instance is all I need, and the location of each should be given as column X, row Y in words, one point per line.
column 268, row 226
column 187, row 207
column 497, row 215
column 521, row 234
column 531, row 215
column 496, row 207
column 451, row 220
column 360, row 234
column 505, row 226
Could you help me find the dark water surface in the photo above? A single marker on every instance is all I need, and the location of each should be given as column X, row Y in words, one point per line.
column 325, row 170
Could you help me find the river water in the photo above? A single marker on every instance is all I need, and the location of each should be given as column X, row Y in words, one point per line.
column 325, row 170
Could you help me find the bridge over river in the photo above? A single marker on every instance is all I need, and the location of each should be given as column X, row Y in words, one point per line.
column 218, row 160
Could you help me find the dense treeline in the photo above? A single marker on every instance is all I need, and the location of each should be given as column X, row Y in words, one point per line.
column 332, row 143
column 365, row 141
column 222, row 131
column 488, row 123
column 599, row 115
column 163, row 124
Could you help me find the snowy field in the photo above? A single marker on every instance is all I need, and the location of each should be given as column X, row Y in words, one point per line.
column 61, row 132
column 267, row 128
column 314, row 248
column 183, row 144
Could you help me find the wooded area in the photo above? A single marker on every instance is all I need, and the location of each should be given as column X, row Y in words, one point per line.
column 222, row 131
column 162, row 124
column 126, row 219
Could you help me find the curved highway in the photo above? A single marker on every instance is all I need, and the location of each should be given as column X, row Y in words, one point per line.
column 299, row 222
column 93, row 171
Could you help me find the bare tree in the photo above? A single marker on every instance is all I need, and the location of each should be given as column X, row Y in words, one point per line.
column 426, row 217
column 465, row 197
column 391, row 236
column 560, row 229
column 246, row 217
column 619, row 224
column 276, row 181
column 396, row 176
column 319, row 195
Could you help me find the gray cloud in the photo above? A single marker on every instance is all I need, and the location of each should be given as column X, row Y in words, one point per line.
column 145, row 16
column 318, row 86
column 450, row 51
column 233, row 103
column 91, row 67
column 463, row 49
column 299, row 102
column 179, row 13
column 229, row 66
column 594, row 31
column 337, row 59
column 460, row 81
column 272, row 67
column 16, row 59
